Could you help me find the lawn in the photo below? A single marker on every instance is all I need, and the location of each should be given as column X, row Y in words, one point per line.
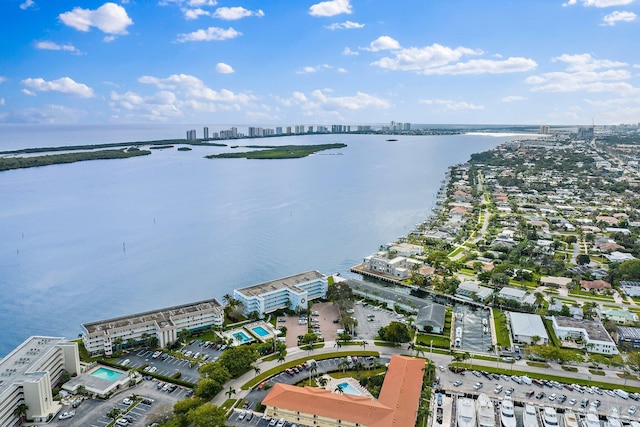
column 502, row 332
column 439, row 341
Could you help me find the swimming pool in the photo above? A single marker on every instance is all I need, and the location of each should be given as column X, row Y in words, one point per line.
column 349, row 389
column 241, row 337
column 106, row 374
column 262, row 332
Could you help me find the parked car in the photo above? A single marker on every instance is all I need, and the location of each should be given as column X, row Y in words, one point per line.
column 66, row 415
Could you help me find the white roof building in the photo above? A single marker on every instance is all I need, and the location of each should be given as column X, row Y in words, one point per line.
column 28, row 374
column 469, row 289
column 289, row 292
column 519, row 295
column 617, row 256
column 595, row 336
column 524, row 326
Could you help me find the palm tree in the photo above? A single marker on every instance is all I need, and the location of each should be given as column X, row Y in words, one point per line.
column 322, row 381
column 358, row 367
column 343, row 365
column 313, row 370
column 282, row 355
column 364, row 344
column 230, row 392
column 21, row 410
column 257, row 370
column 411, row 346
column 339, row 389
column 117, row 342
column 466, row 356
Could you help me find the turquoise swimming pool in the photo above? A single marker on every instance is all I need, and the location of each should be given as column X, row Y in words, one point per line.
column 260, row 331
column 349, row 389
column 241, row 337
column 106, row 374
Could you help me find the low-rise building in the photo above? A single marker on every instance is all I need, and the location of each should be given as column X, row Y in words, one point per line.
column 471, row 290
column 527, row 328
column 103, row 336
column 293, row 292
column 627, row 336
column 618, row 315
column 28, row 374
column 431, row 318
column 399, row 267
column 397, row 405
column 630, row 287
column 406, row 249
column 592, row 333
column 596, row 285
column 520, row 295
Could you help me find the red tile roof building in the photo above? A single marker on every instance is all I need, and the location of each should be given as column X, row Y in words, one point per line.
column 397, row 405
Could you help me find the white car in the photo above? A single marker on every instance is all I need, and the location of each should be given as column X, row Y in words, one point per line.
column 66, row 415
column 280, row 423
column 632, row 410
column 127, row 401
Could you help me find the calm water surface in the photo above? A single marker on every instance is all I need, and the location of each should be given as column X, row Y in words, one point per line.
column 93, row 240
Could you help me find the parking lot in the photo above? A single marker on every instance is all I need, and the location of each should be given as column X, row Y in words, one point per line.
column 93, row 413
column 169, row 365
column 326, row 313
column 562, row 396
column 371, row 319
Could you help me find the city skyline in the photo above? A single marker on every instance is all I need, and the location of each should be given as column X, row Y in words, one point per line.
column 327, row 62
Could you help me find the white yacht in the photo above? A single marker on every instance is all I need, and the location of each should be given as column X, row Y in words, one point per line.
column 485, row 411
column 466, row 413
column 549, row 417
column 507, row 414
column 570, row 419
column 613, row 420
column 530, row 416
column 591, row 419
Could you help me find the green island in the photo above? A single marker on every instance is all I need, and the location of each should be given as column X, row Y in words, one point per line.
column 9, row 163
column 278, row 152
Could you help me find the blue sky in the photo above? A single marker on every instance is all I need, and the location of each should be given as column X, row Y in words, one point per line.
column 320, row 62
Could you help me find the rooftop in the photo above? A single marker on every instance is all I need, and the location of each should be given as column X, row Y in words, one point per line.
column 396, row 407
column 23, row 361
column 527, row 325
column 628, row 332
column 162, row 316
column 290, row 282
column 594, row 329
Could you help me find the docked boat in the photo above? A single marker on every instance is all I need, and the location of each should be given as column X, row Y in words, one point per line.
column 485, row 411
column 458, row 340
column 530, row 416
column 591, row 419
column 466, row 413
column 613, row 420
column 570, row 419
column 507, row 413
column 549, row 417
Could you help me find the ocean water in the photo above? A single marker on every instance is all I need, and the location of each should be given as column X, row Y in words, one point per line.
column 94, row 240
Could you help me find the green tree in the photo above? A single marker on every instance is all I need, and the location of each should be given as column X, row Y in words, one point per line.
column 21, row 410
column 583, row 259
column 238, row 360
column 339, row 389
column 230, row 392
column 257, row 370
column 207, row 415
column 216, row 372
column 395, row 332
column 207, row 388
column 182, row 407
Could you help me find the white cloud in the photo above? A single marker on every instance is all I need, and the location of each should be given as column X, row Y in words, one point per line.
column 211, row 33
column 28, row 92
column 383, row 43
column 64, row 85
column 346, row 25
column 450, row 105
column 618, row 16
column 599, row 3
column 50, row 113
column 584, row 73
column 27, row 4
column 349, row 52
column 513, row 98
column 223, row 68
column 234, row 13
column 320, row 102
column 2, row 79
column 178, row 95
column 330, row 8
column 109, row 18
column 310, row 69
column 438, row 59
column 2, row 101
column 48, row 45
column 195, row 13
column 342, row 70
column 192, row 3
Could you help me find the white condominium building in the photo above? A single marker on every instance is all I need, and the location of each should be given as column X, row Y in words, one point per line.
column 595, row 337
column 28, row 374
column 290, row 292
column 165, row 324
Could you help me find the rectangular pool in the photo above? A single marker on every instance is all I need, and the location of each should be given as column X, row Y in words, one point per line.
column 260, row 331
column 349, row 389
column 106, row 374
column 241, row 337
